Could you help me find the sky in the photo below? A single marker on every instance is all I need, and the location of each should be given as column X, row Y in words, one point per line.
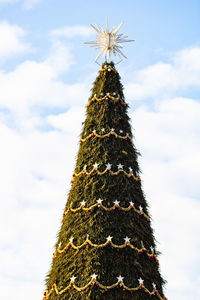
column 46, row 76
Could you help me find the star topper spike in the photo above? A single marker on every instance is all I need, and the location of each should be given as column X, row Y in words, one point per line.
column 109, row 42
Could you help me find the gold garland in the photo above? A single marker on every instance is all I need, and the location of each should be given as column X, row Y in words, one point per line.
column 105, row 287
column 140, row 212
column 84, row 172
column 116, row 99
column 107, row 135
column 97, row 246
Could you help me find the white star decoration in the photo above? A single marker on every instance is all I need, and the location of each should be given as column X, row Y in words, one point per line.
column 71, row 239
column 154, row 285
column 108, row 41
column 109, row 238
column 112, row 130
column 120, row 278
column 99, row 201
column 116, row 202
column 73, row 278
column 141, row 281
column 94, row 276
column 130, row 169
column 108, row 166
column 152, row 249
column 95, row 166
column 83, row 203
column 127, row 239
column 121, row 131
column 103, row 129
column 140, row 208
column 120, row 166
column 131, row 203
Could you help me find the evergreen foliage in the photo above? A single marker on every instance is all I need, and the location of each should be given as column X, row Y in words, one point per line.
column 97, row 223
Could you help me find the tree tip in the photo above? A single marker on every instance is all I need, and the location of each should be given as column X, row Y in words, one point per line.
column 111, row 64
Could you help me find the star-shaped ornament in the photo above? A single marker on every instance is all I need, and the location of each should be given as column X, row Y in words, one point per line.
column 108, row 166
column 95, row 166
column 94, row 131
column 131, row 203
column 152, row 249
column 73, row 278
column 140, row 208
column 130, row 169
column 116, row 202
column 83, row 203
column 71, row 239
column 94, row 276
column 121, row 131
column 141, row 281
column 99, row 201
column 120, row 278
column 120, row 166
column 127, row 239
column 84, row 168
column 154, row 285
column 108, row 41
column 103, row 129
column 114, row 93
column 109, row 238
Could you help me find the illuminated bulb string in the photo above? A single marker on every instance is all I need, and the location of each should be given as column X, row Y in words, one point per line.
column 103, row 245
column 81, row 207
column 93, row 281
column 106, row 97
column 107, row 169
column 94, row 134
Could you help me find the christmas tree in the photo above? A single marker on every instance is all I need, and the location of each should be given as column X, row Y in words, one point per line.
column 106, row 247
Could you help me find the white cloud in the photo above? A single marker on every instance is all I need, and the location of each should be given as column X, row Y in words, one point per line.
column 38, row 84
column 27, row 4
column 168, row 137
column 163, row 79
column 29, row 191
column 71, row 31
column 68, row 121
column 12, row 41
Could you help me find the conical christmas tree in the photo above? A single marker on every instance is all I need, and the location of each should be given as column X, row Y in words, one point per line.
column 105, row 247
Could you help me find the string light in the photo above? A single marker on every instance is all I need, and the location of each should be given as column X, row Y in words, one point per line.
column 103, row 245
column 99, row 204
column 85, row 172
column 54, row 288
column 94, row 134
column 107, row 97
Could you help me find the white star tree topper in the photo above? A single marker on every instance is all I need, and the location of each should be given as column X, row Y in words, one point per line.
column 109, row 41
